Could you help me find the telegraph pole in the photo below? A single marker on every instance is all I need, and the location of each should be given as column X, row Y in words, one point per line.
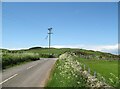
column 49, row 34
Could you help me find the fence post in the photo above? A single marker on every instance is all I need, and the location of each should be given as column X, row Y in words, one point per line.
column 84, row 66
column 88, row 70
column 95, row 74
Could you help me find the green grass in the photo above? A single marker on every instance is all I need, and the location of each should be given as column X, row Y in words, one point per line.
column 14, row 65
column 66, row 68
column 9, row 59
column 103, row 67
column 65, row 75
column 16, row 57
column 54, row 51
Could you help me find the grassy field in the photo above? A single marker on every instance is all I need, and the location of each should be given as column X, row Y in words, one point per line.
column 66, row 72
column 107, row 69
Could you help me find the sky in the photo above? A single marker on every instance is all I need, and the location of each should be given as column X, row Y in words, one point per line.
column 88, row 25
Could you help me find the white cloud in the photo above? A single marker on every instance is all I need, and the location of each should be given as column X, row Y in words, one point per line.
column 104, row 48
column 14, row 48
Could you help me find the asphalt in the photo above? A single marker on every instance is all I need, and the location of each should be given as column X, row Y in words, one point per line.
column 32, row 74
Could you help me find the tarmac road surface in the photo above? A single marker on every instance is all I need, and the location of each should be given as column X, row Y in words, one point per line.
column 32, row 74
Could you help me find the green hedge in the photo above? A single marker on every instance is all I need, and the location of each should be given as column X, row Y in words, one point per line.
column 11, row 59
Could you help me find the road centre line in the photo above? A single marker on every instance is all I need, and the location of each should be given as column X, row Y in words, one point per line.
column 31, row 66
column 8, row 78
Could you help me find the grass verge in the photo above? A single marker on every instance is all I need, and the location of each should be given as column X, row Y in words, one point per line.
column 66, row 74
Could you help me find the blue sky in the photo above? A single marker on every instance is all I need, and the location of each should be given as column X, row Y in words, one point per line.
column 82, row 25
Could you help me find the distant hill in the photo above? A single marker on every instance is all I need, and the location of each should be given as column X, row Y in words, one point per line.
column 35, row 48
column 88, row 54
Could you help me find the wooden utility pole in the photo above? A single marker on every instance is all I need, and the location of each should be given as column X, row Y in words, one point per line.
column 49, row 34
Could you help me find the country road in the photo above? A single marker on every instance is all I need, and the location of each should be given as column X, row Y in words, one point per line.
column 32, row 74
